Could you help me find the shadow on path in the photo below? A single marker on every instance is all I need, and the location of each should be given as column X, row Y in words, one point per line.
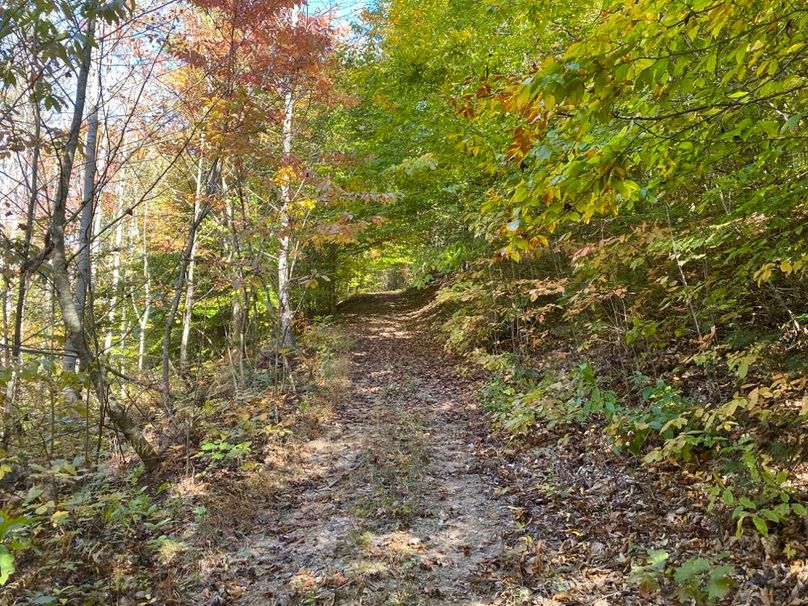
column 391, row 509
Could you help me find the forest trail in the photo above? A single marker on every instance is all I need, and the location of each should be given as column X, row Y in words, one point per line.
column 391, row 505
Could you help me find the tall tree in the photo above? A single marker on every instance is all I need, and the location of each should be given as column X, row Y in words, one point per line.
column 74, row 326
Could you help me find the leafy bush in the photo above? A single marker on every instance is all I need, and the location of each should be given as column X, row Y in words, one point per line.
column 662, row 426
column 701, row 581
column 220, row 452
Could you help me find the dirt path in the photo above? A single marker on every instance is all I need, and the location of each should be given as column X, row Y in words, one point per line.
column 392, row 509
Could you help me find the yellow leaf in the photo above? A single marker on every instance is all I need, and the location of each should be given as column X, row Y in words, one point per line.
column 59, row 517
column 764, row 273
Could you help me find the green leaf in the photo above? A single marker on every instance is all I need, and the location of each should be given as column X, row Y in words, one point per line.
column 657, row 557
column 770, row 515
column 761, row 525
column 711, row 62
column 790, row 123
column 6, row 564
column 719, row 582
column 691, row 568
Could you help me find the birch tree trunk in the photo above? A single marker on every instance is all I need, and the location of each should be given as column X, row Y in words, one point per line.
column 286, row 336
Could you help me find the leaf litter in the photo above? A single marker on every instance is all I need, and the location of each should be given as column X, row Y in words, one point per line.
column 408, row 497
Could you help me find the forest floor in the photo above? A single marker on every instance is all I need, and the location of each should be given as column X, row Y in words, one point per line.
column 404, row 496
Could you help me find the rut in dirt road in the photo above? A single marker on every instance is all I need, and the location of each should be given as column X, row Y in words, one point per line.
column 393, row 510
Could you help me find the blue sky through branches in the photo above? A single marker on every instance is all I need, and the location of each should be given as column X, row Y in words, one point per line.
column 346, row 10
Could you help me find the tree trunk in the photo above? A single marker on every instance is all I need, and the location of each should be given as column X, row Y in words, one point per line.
column 84, row 280
column 143, row 319
column 22, row 286
column 61, row 279
column 116, row 272
column 180, row 282
column 6, row 304
column 286, row 336
column 234, row 341
column 188, row 313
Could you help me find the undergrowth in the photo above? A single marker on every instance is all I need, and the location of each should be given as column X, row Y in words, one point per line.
column 77, row 531
column 669, row 379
